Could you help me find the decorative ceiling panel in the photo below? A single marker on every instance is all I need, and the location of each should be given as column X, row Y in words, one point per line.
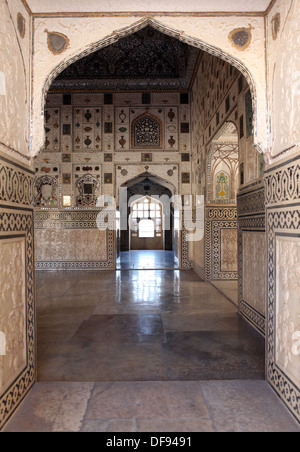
column 147, row 59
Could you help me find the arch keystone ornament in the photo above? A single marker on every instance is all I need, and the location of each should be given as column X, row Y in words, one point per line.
column 57, row 42
column 241, row 37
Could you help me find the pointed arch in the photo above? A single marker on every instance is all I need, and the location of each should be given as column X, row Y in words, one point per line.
column 115, row 36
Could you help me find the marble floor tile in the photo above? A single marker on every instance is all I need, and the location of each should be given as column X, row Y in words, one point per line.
column 161, row 425
column 247, row 406
column 52, row 407
column 213, row 355
column 147, row 400
column 122, row 328
column 189, row 320
column 86, row 361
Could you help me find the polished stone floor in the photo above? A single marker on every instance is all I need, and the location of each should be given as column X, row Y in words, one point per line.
column 147, row 260
column 140, row 326
column 145, row 351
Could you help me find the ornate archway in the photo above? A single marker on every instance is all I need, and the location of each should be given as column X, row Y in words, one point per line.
column 230, row 53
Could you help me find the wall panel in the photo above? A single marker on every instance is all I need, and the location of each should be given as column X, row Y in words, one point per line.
column 17, row 305
column 283, row 300
column 252, row 254
column 71, row 240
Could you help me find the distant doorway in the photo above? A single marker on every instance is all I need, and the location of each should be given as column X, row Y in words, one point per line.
column 147, row 260
column 148, row 242
column 146, row 224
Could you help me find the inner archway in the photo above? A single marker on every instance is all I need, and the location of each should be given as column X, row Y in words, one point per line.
column 149, row 240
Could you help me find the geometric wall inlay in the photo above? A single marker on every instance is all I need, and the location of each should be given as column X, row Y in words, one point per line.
column 15, row 183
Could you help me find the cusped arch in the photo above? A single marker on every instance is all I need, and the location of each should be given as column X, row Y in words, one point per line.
column 192, row 41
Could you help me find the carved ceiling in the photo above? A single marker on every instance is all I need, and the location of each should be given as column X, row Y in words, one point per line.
column 147, row 59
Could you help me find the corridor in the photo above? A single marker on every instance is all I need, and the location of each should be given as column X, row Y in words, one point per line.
column 152, row 350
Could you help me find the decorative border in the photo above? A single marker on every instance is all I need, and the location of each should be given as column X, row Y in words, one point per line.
column 217, row 218
column 251, row 217
column 185, row 262
column 16, row 183
column 253, row 316
column 279, row 219
column 282, row 184
column 79, row 219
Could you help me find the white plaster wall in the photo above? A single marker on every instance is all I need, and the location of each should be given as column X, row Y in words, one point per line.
column 15, row 80
column 283, row 68
column 213, row 32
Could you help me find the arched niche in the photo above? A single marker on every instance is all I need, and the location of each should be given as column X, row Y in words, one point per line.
column 222, row 168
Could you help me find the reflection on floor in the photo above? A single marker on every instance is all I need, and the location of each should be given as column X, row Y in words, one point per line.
column 145, row 351
column 147, row 260
column 141, row 325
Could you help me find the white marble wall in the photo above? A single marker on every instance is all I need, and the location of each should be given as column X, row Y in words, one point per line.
column 288, row 306
column 12, row 310
column 283, row 57
column 15, row 80
column 254, row 269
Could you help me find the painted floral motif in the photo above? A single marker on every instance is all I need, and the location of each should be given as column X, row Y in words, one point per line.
column 222, row 185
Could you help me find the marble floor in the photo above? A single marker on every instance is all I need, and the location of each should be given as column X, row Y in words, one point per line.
column 141, row 325
column 143, row 351
column 147, row 260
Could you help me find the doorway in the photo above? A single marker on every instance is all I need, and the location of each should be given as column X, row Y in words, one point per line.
column 148, row 240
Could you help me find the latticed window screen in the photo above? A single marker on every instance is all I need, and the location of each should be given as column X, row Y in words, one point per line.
column 146, row 132
column 146, row 218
